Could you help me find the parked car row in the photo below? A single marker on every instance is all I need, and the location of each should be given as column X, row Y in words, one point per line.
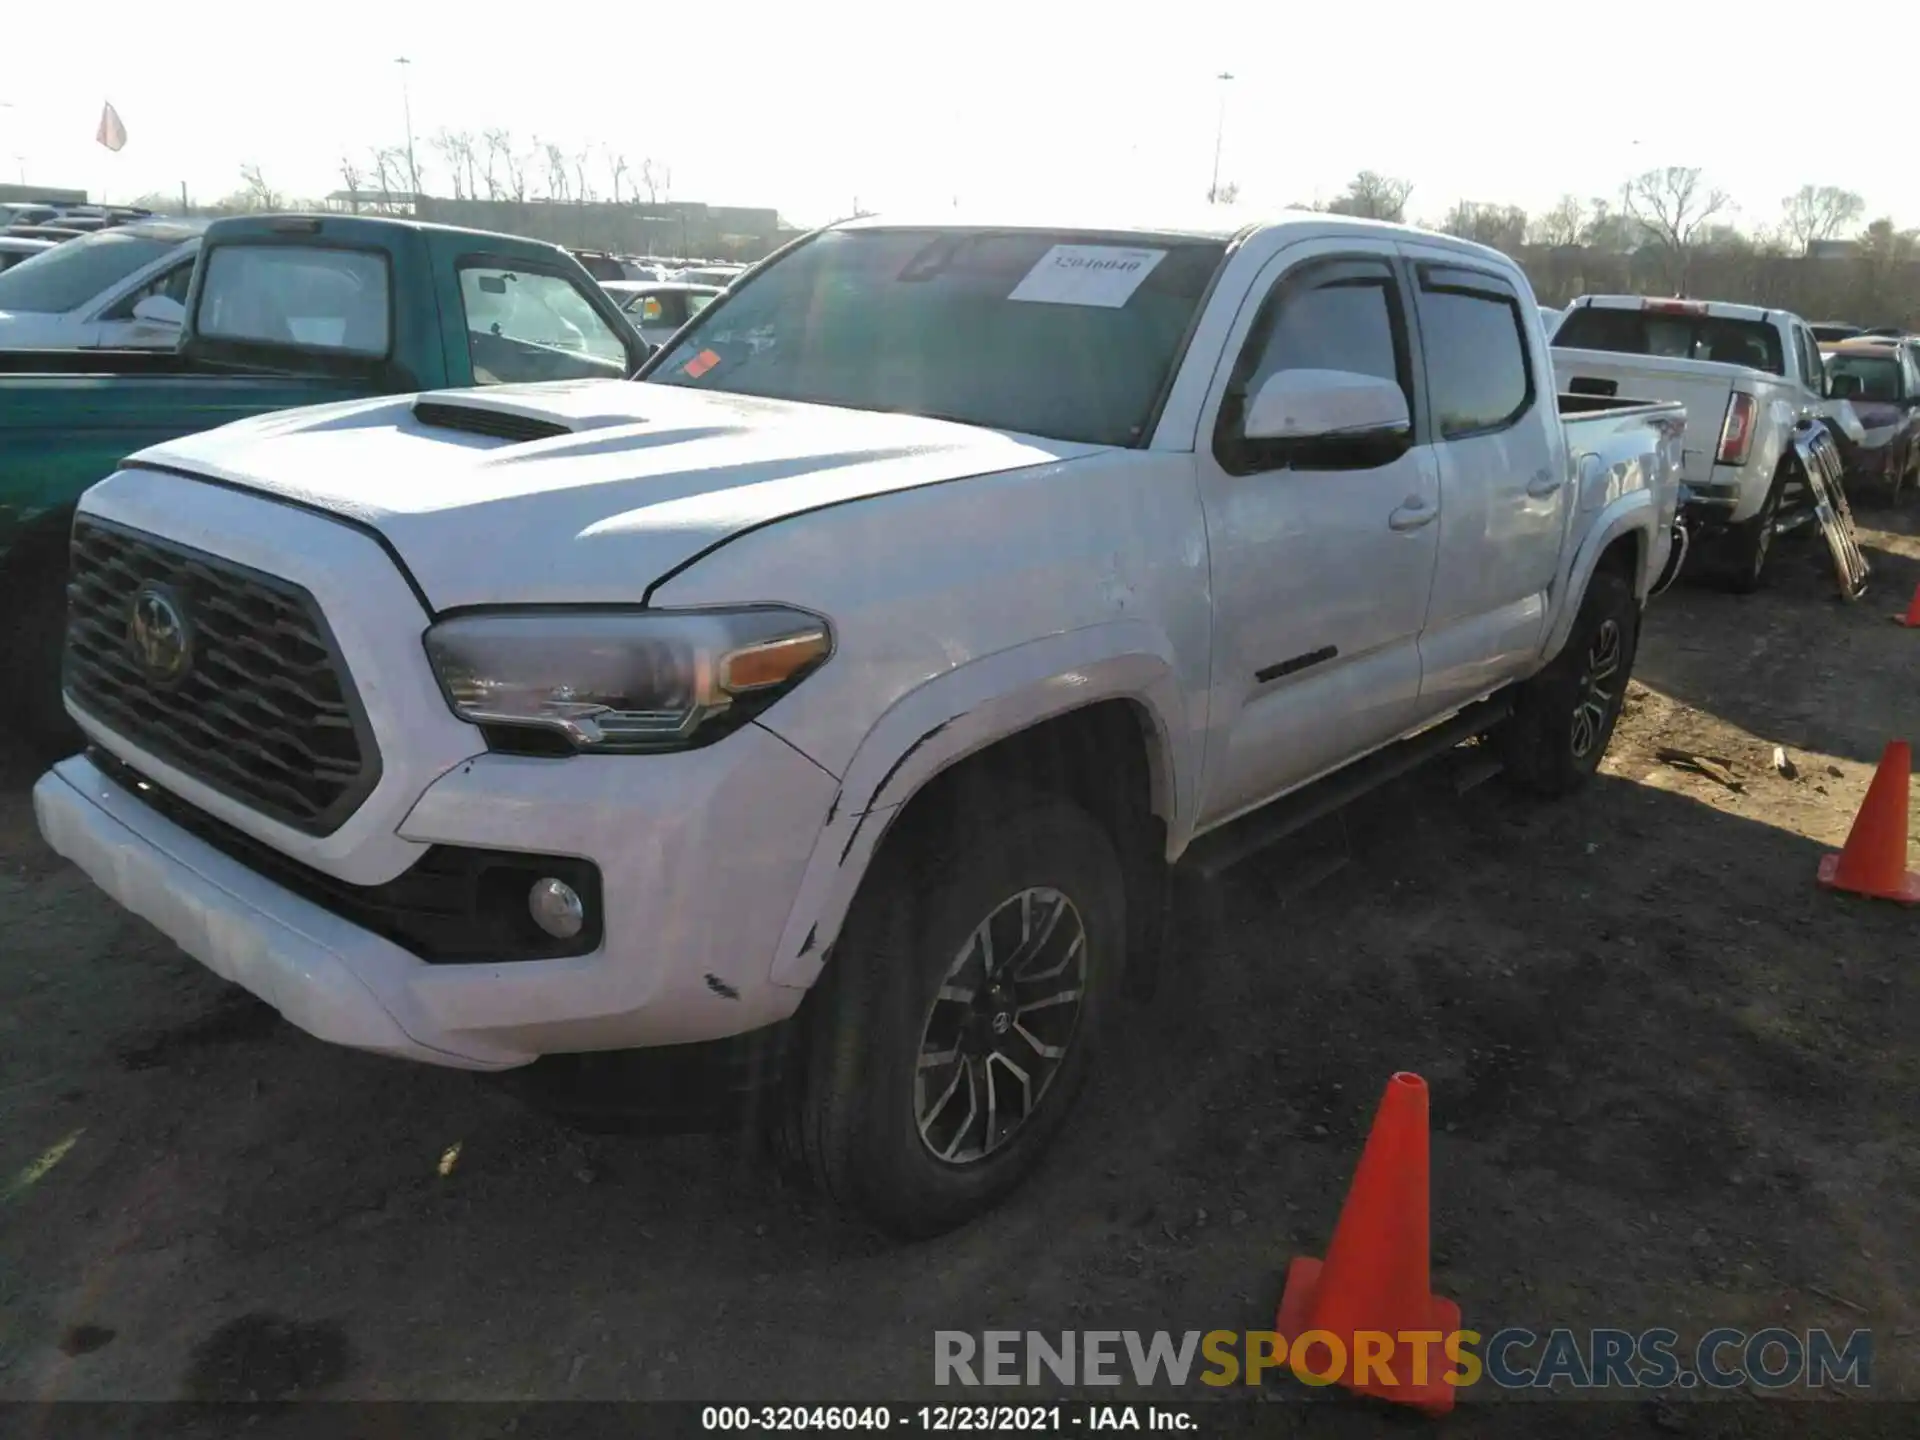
column 608, row 268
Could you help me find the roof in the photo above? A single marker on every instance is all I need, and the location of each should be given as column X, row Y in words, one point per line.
column 1866, row 344
column 1206, row 222
column 1715, row 309
column 337, row 224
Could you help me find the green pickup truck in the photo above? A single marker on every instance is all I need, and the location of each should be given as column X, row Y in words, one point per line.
column 283, row 311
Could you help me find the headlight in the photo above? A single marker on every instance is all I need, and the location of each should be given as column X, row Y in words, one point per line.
column 610, row 681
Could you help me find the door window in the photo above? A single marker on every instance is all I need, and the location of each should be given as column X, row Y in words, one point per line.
column 1336, row 314
column 524, row 326
column 173, row 284
column 1478, row 373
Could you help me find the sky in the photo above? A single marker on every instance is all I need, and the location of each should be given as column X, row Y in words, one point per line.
column 813, row 108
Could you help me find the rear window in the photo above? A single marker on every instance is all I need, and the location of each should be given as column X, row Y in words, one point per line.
column 76, row 271
column 297, row 295
column 1752, row 343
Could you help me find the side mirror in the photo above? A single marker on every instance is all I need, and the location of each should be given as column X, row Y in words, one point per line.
column 1327, row 405
column 159, row 310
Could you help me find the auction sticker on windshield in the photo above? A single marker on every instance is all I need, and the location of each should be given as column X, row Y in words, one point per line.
column 1102, row 275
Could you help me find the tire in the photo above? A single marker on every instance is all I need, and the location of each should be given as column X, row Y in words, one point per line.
column 1749, row 544
column 1563, row 717
column 33, row 626
column 864, row 1116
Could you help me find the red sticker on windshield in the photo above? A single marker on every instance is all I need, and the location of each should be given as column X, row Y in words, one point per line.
column 701, row 363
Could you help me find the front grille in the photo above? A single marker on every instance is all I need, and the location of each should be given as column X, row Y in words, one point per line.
column 454, row 904
column 249, row 695
column 477, row 420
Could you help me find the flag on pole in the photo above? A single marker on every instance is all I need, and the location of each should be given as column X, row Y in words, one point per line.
column 111, row 133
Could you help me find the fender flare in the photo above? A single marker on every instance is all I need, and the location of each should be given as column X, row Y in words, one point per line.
column 965, row 710
column 1634, row 513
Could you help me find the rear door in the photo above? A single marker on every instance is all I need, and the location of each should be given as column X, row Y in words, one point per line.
column 1504, row 486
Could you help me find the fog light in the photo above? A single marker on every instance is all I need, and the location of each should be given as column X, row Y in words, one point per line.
column 557, row 908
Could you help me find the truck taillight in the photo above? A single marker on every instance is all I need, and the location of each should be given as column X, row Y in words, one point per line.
column 1675, row 307
column 1736, row 432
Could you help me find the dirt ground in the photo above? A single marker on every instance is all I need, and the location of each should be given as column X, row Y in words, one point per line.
column 1673, row 1083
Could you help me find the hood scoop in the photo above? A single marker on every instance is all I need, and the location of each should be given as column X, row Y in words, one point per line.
column 475, row 420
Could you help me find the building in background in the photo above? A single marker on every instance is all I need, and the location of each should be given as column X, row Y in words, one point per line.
column 673, row 227
column 40, row 195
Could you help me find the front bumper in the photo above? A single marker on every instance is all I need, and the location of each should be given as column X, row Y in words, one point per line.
column 701, row 852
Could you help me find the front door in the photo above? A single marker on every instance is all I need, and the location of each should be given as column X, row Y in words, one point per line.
column 1321, row 564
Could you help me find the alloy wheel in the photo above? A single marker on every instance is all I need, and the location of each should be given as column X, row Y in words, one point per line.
column 1599, row 685
column 999, row 1027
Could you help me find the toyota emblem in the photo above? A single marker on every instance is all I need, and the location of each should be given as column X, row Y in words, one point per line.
column 159, row 636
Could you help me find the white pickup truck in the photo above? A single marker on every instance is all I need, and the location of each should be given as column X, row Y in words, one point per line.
column 1749, row 377
column 869, row 675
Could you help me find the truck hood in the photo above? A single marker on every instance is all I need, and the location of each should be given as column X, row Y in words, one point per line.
column 582, row 491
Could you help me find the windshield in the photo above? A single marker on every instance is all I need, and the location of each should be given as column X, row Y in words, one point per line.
column 75, row 271
column 1069, row 336
column 1752, row 343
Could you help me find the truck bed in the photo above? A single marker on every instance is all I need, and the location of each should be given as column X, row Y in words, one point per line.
column 1701, row 385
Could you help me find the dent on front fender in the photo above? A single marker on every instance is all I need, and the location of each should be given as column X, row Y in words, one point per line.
column 961, row 713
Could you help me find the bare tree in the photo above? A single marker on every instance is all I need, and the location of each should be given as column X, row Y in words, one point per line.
column 1818, row 212
column 390, row 167
column 582, row 187
column 255, row 193
column 352, row 176
column 1373, row 196
column 1227, row 194
column 1563, row 224
column 617, row 168
column 1610, row 230
column 656, row 178
column 556, row 158
column 448, row 145
column 1672, row 205
column 506, row 173
column 1504, row 227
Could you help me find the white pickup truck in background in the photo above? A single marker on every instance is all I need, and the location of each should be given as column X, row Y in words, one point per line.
column 1748, row 377
column 869, row 677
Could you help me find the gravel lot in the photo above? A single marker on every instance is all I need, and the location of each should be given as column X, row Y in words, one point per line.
column 1673, row 1084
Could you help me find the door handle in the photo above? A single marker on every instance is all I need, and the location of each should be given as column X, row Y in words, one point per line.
column 1544, row 483
column 1412, row 514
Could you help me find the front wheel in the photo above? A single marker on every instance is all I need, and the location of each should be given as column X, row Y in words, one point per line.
column 1563, row 718
column 959, row 1013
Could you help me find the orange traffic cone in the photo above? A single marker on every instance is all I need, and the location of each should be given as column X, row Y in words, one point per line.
column 1374, row 1284
column 1874, row 859
column 1912, row 618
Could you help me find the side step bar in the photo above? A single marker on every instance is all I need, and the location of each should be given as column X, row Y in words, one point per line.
column 1219, row 850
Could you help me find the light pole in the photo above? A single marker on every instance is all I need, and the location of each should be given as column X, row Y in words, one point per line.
column 406, row 108
column 20, row 161
column 1219, row 134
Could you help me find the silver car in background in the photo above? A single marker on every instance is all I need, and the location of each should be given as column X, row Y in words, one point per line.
column 119, row 289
